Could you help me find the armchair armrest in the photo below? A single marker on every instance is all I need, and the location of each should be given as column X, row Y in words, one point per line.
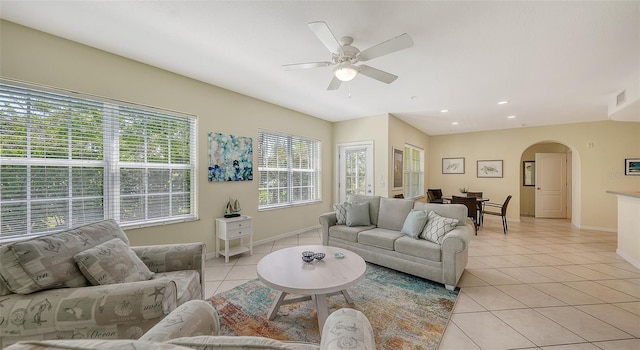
column 101, row 308
column 327, row 220
column 174, row 257
column 193, row 318
column 347, row 325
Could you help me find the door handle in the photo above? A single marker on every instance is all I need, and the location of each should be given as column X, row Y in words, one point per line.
column 537, row 188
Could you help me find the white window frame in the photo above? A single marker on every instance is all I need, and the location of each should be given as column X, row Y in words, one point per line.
column 111, row 165
column 314, row 170
column 411, row 169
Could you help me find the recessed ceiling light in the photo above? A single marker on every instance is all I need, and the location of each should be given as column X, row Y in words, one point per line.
column 503, row 102
column 511, row 116
column 454, row 123
column 444, row 110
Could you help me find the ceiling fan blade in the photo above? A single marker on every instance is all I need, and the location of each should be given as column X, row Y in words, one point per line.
column 322, row 31
column 377, row 74
column 306, row 65
column 398, row 43
column 334, row 84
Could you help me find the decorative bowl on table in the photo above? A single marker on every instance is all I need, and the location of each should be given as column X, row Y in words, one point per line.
column 308, row 256
column 319, row 256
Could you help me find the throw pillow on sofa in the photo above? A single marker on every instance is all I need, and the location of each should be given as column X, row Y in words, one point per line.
column 112, row 262
column 341, row 212
column 358, row 214
column 437, row 227
column 414, row 223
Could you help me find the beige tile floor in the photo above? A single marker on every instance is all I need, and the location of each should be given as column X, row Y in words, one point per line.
column 544, row 285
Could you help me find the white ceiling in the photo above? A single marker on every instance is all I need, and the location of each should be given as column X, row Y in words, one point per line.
column 556, row 62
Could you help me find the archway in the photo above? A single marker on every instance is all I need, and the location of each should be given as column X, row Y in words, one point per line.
column 527, row 192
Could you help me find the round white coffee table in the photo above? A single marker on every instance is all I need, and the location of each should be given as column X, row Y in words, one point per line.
column 284, row 271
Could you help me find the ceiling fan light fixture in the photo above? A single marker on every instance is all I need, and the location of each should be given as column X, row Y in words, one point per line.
column 345, row 72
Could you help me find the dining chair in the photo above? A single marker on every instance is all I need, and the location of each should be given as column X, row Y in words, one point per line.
column 499, row 210
column 435, row 195
column 472, row 208
column 479, row 204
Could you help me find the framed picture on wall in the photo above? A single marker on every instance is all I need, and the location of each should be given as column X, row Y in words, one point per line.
column 489, row 168
column 528, row 173
column 398, row 168
column 453, row 165
column 632, row 166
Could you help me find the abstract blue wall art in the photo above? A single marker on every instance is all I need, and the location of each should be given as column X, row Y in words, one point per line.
column 230, row 157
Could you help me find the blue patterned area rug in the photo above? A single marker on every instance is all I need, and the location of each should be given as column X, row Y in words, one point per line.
column 406, row 312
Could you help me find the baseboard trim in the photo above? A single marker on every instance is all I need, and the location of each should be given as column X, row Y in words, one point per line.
column 631, row 261
column 596, row 228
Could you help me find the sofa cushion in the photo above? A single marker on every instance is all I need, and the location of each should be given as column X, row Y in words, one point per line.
column 420, row 248
column 374, row 205
column 393, row 212
column 112, row 262
column 187, row 283
column 358, row 214
column 453, row 211
column 437, row 227
column 341, row 212
column 414, row 223
column 347, row 233
column 47, row 261
column 379, row 237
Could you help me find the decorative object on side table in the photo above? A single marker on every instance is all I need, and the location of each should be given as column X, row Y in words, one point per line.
column 233, row 209
column 319, row 256
column 463, row 191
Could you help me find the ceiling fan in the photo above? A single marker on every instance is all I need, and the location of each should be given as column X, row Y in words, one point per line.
column 345, row 56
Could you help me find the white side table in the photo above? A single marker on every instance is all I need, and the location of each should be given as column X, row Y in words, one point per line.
column 228, row 229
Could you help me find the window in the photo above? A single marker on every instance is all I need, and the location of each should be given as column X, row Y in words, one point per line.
column 67, row 160
column 289, row 168
column 413, row 172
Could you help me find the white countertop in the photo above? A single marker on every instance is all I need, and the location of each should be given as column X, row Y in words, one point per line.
column 626, row 193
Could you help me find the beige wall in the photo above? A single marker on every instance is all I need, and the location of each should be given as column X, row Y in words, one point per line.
column 598, row 151
column 401, row 133
column 35, row 57
column 374, row 128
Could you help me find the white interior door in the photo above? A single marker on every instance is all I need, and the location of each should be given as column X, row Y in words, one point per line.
column 551, row 185
column 355, row 169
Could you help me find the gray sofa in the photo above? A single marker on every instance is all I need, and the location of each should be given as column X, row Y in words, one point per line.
column 45, row 293
column 195, row 325
column 382, row 242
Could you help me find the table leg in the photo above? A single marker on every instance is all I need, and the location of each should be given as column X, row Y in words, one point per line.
column 347, row 297
column 322, row 310
column 276, row 305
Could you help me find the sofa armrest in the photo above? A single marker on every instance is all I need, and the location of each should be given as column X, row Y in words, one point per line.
column 174, row 257
column 193, row 318
column 96, row 307
column 350, row 326
column 327, row 220
column 455, row 254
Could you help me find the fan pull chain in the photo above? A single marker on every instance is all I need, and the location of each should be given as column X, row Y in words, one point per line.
column 349, row 87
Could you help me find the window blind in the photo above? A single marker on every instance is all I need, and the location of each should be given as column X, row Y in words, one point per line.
column 289, row 168
column 68, row 159
column 413, row 172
